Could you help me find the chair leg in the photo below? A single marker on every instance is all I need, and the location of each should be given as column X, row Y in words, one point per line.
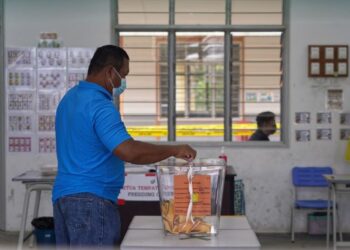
column 292, row 225
column 339, row 224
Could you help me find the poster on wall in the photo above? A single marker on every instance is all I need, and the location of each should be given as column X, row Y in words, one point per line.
column 21, row 101
column 345, row 119
column 79, row 57
column 302, row 135
column 51, row 58
column 302, row 117
column 20, row 79
column 51, row 79
column 20, row 123
column 335, row 99
column 47, row 144
column 265, row 97
column 20, row 57
column 324, row 118
column 46, row 122
column 251, row 97
column 74, row 76
column 324, row 134
column 36, row 80
column 48, row 101
column 22, row 144
column 345, row 134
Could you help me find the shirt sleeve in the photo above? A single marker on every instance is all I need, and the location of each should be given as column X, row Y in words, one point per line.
column 109, row 126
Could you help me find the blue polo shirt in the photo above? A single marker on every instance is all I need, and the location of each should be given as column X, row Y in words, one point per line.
column 88, row 129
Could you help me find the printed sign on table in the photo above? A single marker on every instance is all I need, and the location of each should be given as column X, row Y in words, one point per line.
column 140, row 187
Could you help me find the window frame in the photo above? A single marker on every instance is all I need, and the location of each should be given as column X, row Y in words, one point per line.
column 171, row 28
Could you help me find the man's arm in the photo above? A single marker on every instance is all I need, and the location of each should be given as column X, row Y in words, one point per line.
column 138, row 152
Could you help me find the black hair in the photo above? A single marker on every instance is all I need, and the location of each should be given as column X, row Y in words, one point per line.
column 107, row 55
column 264, row 117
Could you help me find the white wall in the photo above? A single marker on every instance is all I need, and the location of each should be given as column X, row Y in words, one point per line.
column 81, row 23
column 84, row 23
column 265, row 171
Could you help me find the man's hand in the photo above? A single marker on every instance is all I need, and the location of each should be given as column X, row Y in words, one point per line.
column 185, row 152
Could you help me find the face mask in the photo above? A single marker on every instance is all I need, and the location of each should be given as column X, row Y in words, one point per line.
column 118, row 91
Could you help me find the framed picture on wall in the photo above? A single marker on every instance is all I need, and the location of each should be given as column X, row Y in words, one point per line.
column 342, row 53
column 324, row 118
column 324, row 134
column 345, row 119
column 345, row 134
column 302, row 135
column 329, row 53
column 302, row 117
column 315, row 53
column 328, row 60
column 335, row 99
column 343, row 69
column 315, row 68
column 329, row 69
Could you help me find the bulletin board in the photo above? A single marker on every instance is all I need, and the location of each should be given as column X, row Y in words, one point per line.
column 328, row 61
column 36, row 80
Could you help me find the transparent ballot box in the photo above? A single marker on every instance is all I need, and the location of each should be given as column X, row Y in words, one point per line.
column 190, row 196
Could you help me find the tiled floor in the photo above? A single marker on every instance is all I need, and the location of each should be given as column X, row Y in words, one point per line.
column 8, row 241
column 302, row 241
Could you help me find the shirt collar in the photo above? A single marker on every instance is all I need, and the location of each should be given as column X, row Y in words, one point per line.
column 92, row 85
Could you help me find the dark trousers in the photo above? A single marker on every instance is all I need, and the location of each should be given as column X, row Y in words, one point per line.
column 85, row 220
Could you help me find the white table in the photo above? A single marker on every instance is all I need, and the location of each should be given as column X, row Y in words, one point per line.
column 36, row 181
column 33, row 181
column 154, row 222
column 146, row 232
column 339, row 183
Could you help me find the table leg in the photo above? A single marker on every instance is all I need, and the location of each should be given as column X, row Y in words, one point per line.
column 334, row 217
column 339, row 221
column 24, row 218
column 328, row 214
column 35, row 214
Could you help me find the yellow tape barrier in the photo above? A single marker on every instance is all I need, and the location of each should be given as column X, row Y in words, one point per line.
column 200, row 130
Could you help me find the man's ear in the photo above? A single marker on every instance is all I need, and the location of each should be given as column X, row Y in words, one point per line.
column 108, row 71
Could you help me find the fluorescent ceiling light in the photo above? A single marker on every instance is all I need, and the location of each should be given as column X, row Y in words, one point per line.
column 144, row 33
column 256, row 33
column 199, row 33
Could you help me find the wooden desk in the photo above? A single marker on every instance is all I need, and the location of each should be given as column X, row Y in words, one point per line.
column 235, row 233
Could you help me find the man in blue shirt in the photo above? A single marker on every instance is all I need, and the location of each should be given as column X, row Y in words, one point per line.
column 92, row 146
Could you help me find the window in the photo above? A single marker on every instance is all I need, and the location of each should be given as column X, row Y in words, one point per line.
column 187, row 55
column 141, row 105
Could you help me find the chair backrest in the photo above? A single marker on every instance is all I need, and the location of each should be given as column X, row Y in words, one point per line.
column 310, row 176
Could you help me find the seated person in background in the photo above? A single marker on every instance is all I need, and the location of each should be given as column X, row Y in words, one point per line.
column 266, row 126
